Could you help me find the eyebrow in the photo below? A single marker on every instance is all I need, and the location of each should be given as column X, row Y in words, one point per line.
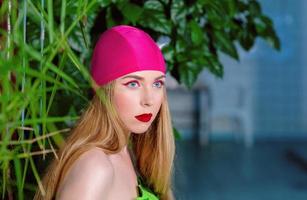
column 141, row 78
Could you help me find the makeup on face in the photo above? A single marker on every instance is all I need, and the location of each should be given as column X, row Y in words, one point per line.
column 138, row 97
column 144, row 117
column 135, row 82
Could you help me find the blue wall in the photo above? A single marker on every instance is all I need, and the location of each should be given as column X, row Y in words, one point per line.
column 274, row 83
column 279, row 86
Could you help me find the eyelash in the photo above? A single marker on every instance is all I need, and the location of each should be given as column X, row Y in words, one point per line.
column 126, row 84
column 161, row 82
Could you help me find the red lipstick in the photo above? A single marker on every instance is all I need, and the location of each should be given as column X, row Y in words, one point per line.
column 144, row 117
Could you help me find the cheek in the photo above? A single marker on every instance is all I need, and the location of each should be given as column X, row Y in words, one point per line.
column 158, row 101
column 124, row 103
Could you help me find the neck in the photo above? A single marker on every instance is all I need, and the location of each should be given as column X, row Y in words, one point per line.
column 124, row 152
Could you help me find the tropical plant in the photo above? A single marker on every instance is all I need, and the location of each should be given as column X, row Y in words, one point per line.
column 45, row 53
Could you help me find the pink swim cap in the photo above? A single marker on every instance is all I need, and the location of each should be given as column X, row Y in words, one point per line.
column 124, row 49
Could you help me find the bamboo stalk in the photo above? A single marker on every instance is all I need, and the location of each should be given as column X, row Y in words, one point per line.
column 35, row 139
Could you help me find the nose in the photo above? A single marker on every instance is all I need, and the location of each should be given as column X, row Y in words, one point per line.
column 147, row 97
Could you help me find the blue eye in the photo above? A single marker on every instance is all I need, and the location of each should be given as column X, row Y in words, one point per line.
column 132, row 84
column 158, row 84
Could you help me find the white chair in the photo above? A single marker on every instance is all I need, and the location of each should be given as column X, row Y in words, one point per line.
column 231, row 101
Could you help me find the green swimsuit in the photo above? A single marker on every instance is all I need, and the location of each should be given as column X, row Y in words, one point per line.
column 144, row 192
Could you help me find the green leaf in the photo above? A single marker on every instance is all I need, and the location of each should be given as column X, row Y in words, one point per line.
column 18, row 171
column 266, row 20
column 34, row 73
column 196, row 32
column 231, row 7
column 179, row 12
column 225, row 44
column 36, row 174
column 131, row 11
column 49, row 119
column 5, row 157
column 242, row 6
column 168, row 53
column 58, row 139
column 39, row 57
column 254, row 8
column 272, row 39
column 104, row 3
column 83, row 34
column 50, row 20
column 63, row 14
column 216, row 14
column 153, row 4
column 86, row 75
column 177, row 134
column 260, row 25
column 215, row 66
column 246, row 39
column 188, row 73
column 156, row 21
column 264, row 27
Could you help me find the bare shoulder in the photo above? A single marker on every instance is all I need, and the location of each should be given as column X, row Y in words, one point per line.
column 95, row 158
column 90, row 177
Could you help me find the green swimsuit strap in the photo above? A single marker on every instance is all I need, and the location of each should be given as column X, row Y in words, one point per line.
column 144, row 192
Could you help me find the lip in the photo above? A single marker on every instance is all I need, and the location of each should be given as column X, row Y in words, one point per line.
column 144, row 117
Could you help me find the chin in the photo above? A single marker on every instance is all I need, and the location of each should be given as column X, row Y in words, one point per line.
column 139, row 130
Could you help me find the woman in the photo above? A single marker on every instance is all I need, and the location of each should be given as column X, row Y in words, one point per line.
column 123, row 145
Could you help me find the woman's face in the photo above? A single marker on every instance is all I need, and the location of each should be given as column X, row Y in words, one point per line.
column 138, row 97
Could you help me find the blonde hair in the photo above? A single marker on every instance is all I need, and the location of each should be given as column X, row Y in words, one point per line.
column 99, row 126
